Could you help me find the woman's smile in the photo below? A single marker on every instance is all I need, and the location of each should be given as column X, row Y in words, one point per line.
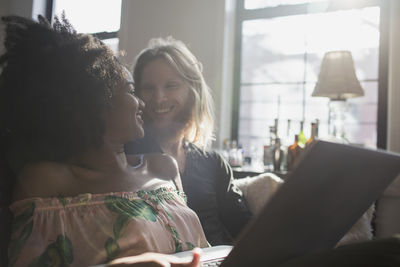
column 163, row 110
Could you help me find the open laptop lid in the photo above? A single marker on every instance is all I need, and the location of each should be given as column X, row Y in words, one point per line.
column 333, row 185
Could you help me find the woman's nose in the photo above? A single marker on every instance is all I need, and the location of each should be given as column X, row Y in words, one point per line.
column 159, row 95
column 141, row 102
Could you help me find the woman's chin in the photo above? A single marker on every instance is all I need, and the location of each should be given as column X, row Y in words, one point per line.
column 140, row 134
column 137, row 135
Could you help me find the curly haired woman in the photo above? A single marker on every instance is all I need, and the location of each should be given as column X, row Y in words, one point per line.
column 67, row 108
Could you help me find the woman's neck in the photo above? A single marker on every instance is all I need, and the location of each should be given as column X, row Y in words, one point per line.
column 107, row 158
column 175, row 147
column 172, row 146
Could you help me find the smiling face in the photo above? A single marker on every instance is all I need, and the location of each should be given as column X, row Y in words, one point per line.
column 124, row 119
column 166, row 96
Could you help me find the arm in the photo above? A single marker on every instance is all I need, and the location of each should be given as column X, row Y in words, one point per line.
column 232, row 205
column 157, row 260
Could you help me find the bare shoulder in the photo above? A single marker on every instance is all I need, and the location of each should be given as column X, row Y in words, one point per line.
column 40, row 180
column 162, row 165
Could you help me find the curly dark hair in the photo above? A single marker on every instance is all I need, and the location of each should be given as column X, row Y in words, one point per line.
column 55, row 85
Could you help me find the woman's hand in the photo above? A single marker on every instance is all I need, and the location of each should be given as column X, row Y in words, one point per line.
column 157, row 260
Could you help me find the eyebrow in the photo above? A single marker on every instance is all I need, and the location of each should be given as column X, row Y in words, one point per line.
column 175, row 80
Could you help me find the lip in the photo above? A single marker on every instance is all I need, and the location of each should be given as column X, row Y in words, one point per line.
column 139, row 116
column 162, row 111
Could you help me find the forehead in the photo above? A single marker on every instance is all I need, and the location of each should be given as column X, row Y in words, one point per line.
column 159, row 68
column 126, row 83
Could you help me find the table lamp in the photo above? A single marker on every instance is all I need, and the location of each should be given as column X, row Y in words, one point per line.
column 337, row 80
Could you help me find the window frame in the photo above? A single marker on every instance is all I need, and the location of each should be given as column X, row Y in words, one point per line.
column 100, row 35
column 243, row 14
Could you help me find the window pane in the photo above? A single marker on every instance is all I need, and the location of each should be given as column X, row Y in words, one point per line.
column 90, row 16
column 354, row 30
column 270, row 47
column 113, row 43
column 254, row 4
column 281, row 58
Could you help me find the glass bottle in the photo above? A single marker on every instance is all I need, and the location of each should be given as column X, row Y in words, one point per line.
column 276, row 123
column 225, row 149
column 314, row 133
column 302, row 138
column 288, row 138
column 293, row 154
column 268, row 149
column 239, row 155
column 233, row 155
column 277, row 155
column 286, row 141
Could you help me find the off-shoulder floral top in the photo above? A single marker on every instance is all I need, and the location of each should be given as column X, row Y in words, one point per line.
column 91, row 229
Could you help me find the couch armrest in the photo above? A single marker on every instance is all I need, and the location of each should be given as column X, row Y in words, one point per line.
column 258, row 189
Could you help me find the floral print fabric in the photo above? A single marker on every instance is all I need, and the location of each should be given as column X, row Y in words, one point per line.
column 92, row 229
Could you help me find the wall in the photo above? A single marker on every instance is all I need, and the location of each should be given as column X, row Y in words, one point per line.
column 387, row 214
column 23, row 8
column 4, row 7
column 394, row 78
column 199, row 24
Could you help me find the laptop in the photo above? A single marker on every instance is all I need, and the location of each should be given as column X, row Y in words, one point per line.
column 330, row 189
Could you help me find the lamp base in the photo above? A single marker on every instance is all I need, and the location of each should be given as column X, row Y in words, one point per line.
column 337, row 117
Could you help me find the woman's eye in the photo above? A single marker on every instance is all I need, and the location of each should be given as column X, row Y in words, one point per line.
column 131, row 88
column 172, row 86
column 146, row 88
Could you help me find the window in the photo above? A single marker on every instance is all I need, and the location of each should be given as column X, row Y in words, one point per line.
column 101, row 18
column 255, row 4
column 281, row 45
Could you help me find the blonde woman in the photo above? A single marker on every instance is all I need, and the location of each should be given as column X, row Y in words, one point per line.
column 179, row 122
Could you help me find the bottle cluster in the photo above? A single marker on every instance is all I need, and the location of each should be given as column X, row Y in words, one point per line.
column 282, row 154
column 233, row 153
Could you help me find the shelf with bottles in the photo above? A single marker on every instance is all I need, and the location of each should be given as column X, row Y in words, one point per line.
column 281, row 154
column 277, row 155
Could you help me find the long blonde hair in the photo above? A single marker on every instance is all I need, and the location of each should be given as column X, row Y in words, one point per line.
column 200, row 127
